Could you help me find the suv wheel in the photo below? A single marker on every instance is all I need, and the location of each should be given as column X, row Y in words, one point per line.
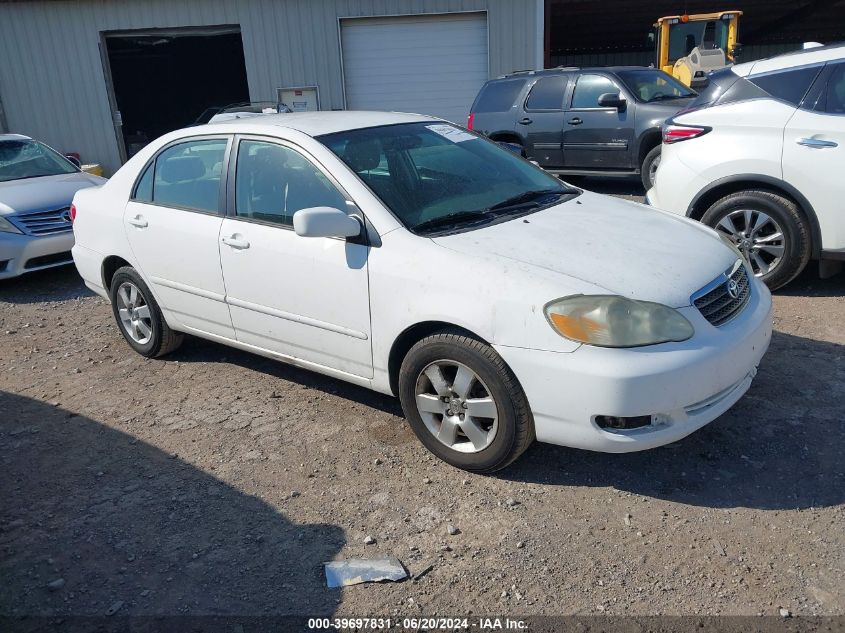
column 464, row 403
column 139, row 317
column 649, row 167
column 769, row 230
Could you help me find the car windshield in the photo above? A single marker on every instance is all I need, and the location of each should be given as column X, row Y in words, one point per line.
column 436, row 177
column 654, row 85
column 23, row 158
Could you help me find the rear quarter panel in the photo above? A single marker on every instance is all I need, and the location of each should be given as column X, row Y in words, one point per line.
column 746, row 138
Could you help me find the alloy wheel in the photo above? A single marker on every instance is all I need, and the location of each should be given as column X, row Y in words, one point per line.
column 758, row 237
column 652, row 170
column 134, row 313
column 456, row 406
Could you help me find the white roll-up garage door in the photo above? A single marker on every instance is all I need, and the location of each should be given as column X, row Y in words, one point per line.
column 429, row 64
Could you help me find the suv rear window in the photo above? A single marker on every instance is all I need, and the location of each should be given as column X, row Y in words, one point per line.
column 789, row 85
column 498, row 96
column 717, row 85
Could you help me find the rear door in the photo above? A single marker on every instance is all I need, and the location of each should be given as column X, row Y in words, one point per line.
column 542, row 120
column 814, row 152
column 597, row 138
column 173, row 224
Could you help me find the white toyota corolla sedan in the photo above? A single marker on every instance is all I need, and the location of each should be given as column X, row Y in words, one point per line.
column 405, row 254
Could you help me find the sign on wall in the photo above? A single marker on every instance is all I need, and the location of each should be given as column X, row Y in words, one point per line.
column 300, row 98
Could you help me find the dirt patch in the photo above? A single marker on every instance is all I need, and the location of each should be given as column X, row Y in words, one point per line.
column 217, row 482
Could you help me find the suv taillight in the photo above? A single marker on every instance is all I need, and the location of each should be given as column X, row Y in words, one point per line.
column 672, row 132
column 72, row 213
column 469, row 120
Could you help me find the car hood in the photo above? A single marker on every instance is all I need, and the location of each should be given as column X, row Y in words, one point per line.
column 622, row 247
column 43, row 193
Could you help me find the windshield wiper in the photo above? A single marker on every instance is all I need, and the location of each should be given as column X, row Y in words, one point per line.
column 527, row 197
column 665, row 97
column 453, row 219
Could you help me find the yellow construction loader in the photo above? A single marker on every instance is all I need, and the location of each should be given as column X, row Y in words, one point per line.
column 690, row 46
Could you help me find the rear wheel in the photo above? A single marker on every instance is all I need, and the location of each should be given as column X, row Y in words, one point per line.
column 463, row 402
column 138, row 316
column 649, row 167
column 768, row 228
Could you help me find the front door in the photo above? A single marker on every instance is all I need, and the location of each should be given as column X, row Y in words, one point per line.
column 814, row 154
column 306, row 298
column 542, row 120
column 173, row 222
column 597, row 138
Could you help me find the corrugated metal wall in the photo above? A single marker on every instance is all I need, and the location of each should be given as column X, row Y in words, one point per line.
column 51, row 76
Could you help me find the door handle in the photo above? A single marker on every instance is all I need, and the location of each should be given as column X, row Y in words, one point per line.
column 575, row 121
column 525, row 121
column 138, row 221
column 235, row 242
column 816, row 143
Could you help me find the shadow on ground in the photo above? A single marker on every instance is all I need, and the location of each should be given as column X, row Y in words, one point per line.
column 53, row 284
column 781, row 447
column 117, row 525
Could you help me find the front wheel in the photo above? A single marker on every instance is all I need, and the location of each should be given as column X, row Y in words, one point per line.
column 769, row 230
column 649, row 167
column 463, row 402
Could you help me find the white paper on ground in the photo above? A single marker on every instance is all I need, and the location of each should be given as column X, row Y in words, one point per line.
column 354, row 571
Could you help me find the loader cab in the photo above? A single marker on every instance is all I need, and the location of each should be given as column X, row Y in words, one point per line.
column 703, row 42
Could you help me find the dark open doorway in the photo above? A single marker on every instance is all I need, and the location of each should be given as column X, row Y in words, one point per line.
column 164, row 80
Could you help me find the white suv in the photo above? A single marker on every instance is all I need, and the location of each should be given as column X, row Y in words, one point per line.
column 760, row 156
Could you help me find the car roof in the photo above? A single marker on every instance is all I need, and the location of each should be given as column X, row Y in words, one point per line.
column 14, row 137
column 315, row 123
column 816, row 55
column 572, row 69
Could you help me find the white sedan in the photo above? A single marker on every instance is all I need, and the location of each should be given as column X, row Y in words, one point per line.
column 407, row 255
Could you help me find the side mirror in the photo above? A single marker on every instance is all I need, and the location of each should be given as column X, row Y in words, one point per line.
column 75, row 160
column 612, row 100
column 325, row 222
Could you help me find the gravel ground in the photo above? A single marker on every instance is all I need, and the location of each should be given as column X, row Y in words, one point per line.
column 217, row 482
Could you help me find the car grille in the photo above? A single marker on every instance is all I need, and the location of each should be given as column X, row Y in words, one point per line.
column 715, row 301
column 45, row 222
column 48, row 260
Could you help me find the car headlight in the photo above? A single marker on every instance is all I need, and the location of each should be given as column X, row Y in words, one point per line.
column 8, row 227
column 614, row 321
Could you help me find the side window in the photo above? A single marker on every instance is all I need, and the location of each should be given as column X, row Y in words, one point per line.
column 588, row 90
column 498, row 96
column 187, row 175
column 788, row 85
column 833, row 100
column 272, row 182
column 547, row 93
column 144, row 188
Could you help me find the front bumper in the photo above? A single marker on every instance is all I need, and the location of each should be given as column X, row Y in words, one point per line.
column 26, row 253
column 683, row 386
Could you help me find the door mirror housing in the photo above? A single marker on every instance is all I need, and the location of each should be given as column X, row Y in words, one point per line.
column 325, row 222
column 612, row 100
column 75, row 160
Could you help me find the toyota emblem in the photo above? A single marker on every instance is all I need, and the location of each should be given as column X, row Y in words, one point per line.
column 733, row 289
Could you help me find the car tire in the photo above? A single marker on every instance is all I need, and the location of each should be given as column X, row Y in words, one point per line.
column 508, row 434
column 771, row 214
column 649, row 167
column 139, row 317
